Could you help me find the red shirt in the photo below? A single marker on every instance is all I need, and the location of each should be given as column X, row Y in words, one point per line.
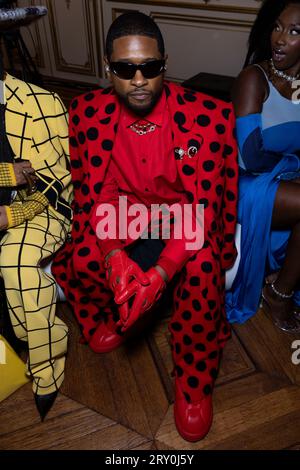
column 143, row 168
column 144, row 165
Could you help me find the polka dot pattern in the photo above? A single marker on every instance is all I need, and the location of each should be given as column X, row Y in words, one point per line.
column 198, row 325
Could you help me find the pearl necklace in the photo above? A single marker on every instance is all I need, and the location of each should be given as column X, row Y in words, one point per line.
column 283, row 75
column 142, row 129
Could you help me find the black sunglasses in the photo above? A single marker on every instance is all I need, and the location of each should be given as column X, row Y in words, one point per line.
column 127, row 70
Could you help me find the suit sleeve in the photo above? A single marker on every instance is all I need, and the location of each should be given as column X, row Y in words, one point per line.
column 53, row 167
column 7, row 175
column 62, row 124
column 18, row 213
column 178, row 251
column 230, row 195
column 75, row 157
column 109, row 195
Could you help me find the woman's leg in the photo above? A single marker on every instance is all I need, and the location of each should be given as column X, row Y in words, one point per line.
column 286, row 216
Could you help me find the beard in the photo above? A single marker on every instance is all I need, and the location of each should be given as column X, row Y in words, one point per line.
column 141, row 109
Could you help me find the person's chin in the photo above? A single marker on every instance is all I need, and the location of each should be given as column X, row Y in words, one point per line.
column 141, row 108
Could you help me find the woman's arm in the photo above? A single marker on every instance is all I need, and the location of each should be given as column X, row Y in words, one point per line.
column 249, row 93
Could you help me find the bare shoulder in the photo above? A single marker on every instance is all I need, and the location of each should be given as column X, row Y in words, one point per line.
column 249, row 92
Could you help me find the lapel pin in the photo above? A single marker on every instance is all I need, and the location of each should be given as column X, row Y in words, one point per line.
column 179, row 153
column 192, row 151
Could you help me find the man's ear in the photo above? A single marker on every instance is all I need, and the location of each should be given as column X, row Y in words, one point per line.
column 107, row 68
column 166, row 59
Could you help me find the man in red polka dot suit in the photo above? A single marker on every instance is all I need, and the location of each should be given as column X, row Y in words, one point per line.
column 153, row 142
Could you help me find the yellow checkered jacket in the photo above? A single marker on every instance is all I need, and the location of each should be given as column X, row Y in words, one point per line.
column 37, row 129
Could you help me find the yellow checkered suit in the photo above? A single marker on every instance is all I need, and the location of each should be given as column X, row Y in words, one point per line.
column 37, row 130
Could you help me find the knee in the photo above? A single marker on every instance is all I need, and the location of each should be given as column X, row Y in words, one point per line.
column 15, row 253
column 19, row 264
column 204, row 263
column 88, row 260
column 201, row 276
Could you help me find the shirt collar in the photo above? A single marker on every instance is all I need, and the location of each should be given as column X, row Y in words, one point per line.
column 155, row 116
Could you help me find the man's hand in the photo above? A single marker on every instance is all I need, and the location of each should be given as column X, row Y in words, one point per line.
column 120, row 272
column 145, row 296
column 3, row 218
column 23, row 170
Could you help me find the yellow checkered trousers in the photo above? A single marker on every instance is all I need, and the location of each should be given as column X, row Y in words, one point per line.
column 37, row 130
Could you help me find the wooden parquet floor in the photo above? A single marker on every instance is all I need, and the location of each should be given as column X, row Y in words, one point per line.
column 124, row 400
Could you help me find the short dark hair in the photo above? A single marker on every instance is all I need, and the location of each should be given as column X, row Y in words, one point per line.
column 133, row 23
column 259, row 40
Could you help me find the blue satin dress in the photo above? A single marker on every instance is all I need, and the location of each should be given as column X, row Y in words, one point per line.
column 269, row 145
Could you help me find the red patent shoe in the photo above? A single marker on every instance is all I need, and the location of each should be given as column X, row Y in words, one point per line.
column 105, row 340
column 193, row 420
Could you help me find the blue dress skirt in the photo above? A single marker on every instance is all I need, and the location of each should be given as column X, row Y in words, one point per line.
column 262, row 250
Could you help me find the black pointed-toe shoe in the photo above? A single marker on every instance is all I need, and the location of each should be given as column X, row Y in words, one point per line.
column 44, row 403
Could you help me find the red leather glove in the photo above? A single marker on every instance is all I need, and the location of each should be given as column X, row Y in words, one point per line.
column 145, row 297
column 120, row 270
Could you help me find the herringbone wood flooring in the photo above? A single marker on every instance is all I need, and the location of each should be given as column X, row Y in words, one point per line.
column 123, row 400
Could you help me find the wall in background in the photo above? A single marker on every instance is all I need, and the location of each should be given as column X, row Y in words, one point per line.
column 201, row 36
